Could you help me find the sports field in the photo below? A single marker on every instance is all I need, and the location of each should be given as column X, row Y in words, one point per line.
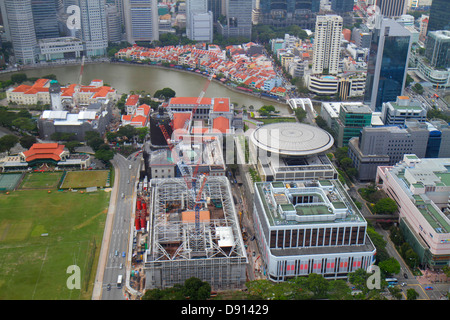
column 42, row 234
column 9, row 181
column 85, row 179
column 41, row 180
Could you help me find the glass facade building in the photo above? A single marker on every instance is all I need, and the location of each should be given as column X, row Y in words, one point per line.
column 437, row 49
column 439, row 16
column 387, row 63
column 45, row 19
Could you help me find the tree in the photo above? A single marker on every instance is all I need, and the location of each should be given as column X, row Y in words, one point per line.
column 396, row 293
column 71, row 145
column 128, row 131
column 411, row 294
column 265, row 111
column 196, row 289
column 390, row 266
column 95, row 143
column 104, row 155
column 346, row 163
column 19, row 77
column 300, row 114
column 385, row 206
column 7, row 142
column 24, row 124
column 358, row 278
column 165, row 93
column 318, row 285
column 418, row 88
column 27, row 141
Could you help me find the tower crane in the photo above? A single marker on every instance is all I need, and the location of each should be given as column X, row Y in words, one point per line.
column 190, row 176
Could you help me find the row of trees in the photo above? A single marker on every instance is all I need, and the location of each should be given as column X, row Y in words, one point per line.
column 311, row 287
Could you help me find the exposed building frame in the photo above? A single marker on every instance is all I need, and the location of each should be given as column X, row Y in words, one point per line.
column 176, row 253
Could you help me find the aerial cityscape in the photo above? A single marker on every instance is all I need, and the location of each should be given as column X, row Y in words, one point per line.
column 224, row 150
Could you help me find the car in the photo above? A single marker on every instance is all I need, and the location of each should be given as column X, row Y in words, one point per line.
column 405, row 275
column 121, row 266
column 116, row 253
column 108, row 287
column 123, row 254
column 428, row 288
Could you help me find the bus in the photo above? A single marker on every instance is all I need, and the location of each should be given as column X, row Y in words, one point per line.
column 391, row 281
column 119, row 281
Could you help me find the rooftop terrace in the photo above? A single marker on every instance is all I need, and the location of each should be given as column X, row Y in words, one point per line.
column 323, row 201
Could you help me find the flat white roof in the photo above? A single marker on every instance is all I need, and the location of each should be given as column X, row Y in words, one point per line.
column 292, row 138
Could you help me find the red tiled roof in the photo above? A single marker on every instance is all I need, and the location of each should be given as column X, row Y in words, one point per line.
column 222, row 124
column 44, row 151
column 221, row 105
column 179, row 119
column 189, row 100
column 132, row 100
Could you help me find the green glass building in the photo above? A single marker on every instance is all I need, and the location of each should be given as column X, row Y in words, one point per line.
column 352, row 119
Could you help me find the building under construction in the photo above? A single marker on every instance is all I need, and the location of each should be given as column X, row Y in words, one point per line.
column 208, row 246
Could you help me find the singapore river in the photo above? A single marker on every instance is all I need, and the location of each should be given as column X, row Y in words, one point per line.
column 131, row 77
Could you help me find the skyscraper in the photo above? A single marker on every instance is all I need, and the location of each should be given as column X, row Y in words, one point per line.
column 141, row 20
column 387, row 63
column 18, row 18
column 45, row 19
column 93, row 26
column 342, row 5
column 439, row 16
column 199, row 21
column 327, row 41
column 284, row 13
column 113, row 24
column 392, row 8
column 238, row 22
column 437, row 49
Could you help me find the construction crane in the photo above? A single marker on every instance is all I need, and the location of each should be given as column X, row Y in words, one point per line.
column 188, row 123
column 189, row 175
column 80, row 77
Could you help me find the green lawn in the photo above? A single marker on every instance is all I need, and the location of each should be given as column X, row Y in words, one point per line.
column 276, row 120
column 85, row 179
column 41, row 180
column 34, row 266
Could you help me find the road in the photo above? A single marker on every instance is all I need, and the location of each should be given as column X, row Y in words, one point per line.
column 118, row 229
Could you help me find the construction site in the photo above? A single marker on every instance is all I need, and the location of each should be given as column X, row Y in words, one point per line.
column 184, row 242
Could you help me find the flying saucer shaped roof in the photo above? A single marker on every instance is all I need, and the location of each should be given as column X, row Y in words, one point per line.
column 292, row 139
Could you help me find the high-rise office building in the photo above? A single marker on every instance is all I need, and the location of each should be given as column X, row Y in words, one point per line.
column 437, row 49
column 439, row 16
column 342, row 5
column 392, row 8
column 282, row 13
column 215, row 6
column 45, row 19
column 327, row 42
column 199, row 21
column 18, row 19
column 93, row 26
column 387, row 63
column 238, row 21
column 141, row 20
column 113, row 23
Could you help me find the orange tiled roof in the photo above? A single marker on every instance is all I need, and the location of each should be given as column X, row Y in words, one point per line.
column 189, row 100
column 44, row 151
column 221, row 124
column 179, row 119
column 221, row 105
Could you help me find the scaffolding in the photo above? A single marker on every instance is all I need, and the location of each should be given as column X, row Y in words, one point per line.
column 181, row 247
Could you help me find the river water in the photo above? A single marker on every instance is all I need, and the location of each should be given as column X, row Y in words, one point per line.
column 132, row 77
